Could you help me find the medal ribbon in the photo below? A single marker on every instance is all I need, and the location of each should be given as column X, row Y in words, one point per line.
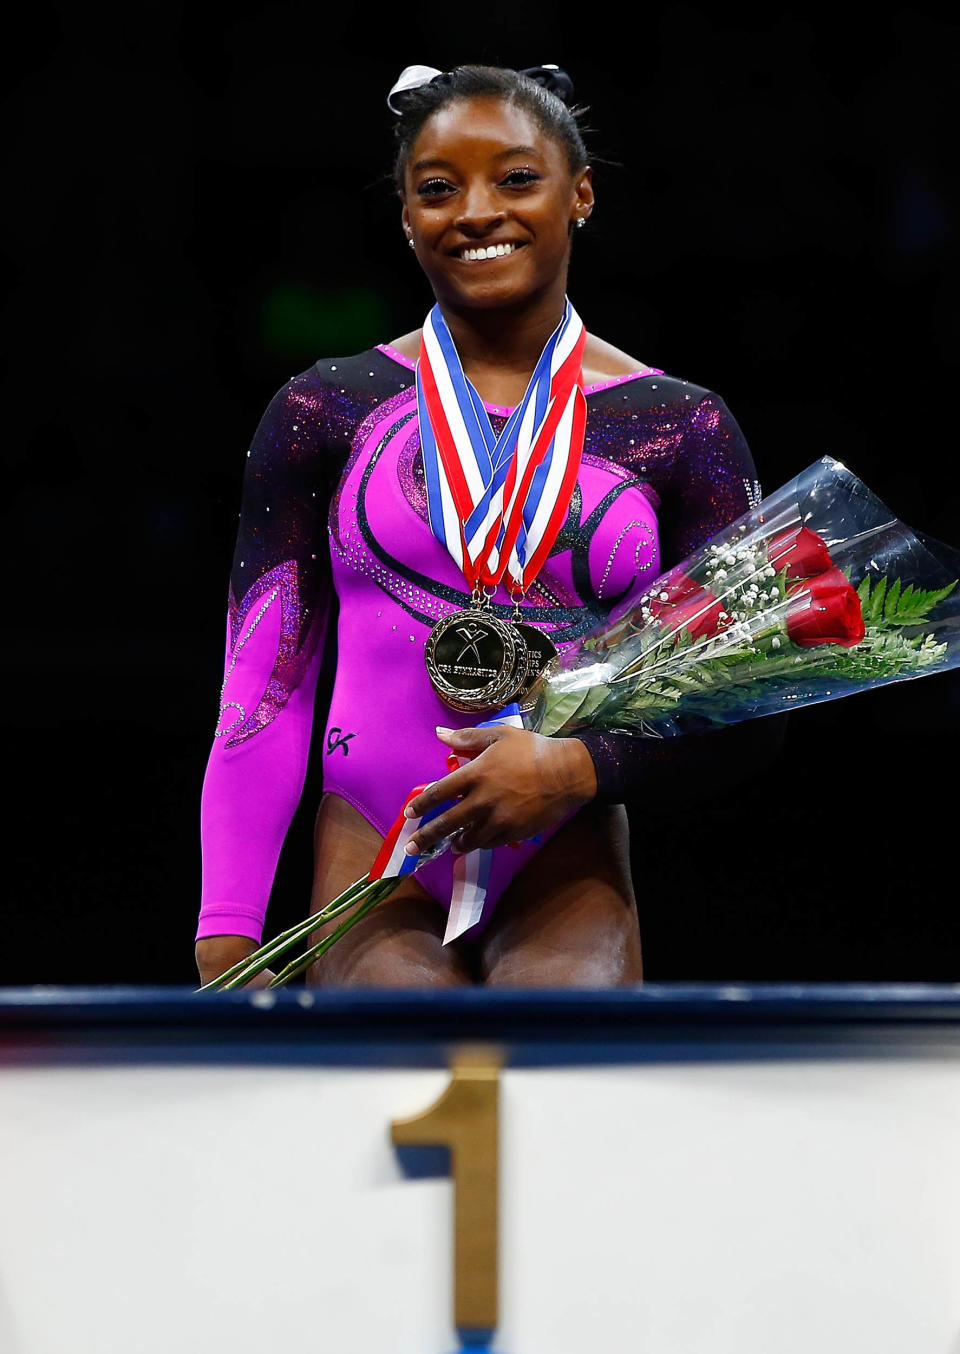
column 497, row 504
column 471, row 870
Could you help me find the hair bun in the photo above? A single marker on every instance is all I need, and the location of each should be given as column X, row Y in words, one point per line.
column 553, row 78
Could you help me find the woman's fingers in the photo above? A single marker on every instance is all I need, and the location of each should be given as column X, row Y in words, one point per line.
column 262, row 979
column 479, row 835
column 468, row 742
column 517, row 784
column 452, row 820
column 465, row 743
column 453, row 786
column 456, row 786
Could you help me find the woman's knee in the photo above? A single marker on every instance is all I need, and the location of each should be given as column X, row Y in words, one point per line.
column 396, row 945
column 614, row 962
column 381, row 966
column 570, row 918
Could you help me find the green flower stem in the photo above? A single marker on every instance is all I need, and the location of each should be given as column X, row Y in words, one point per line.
column 379, row 889
column 670, row 660
column 253, row 967
column 641, row 697
column 265, row 955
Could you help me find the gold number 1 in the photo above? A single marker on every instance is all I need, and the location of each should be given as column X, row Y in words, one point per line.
column 465, row 1119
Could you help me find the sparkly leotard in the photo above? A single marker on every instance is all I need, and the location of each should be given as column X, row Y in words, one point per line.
column 664, row 467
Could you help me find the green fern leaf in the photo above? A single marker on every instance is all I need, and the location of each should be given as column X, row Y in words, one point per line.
column 913, row 604
column 875, row 608
column 893, row 597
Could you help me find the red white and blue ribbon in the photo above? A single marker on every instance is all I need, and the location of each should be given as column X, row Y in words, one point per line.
column 498, row 503
column 392, row 861
column 471, row 870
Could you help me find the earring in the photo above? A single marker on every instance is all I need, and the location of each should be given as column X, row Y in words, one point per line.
column 581, row 222
column 410, row 242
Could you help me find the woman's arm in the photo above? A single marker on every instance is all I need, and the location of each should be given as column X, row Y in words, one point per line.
column 709, row 483
column 518, row 782
column 276, row 618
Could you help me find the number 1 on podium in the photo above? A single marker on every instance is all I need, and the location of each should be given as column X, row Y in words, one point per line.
column 466, row 1121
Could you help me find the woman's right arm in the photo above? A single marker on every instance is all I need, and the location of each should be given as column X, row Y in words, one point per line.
column 276, row 619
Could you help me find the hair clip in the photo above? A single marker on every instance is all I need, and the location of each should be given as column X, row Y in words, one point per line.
column 552, row 78
column 411, row 77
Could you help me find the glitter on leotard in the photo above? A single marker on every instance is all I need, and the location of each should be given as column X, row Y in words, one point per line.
column 277, row 588
column 664, row 467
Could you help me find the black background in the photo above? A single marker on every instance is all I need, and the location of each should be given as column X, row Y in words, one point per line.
column 199, row 207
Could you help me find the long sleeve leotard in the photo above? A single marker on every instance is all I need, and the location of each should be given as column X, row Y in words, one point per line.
column 334, row 507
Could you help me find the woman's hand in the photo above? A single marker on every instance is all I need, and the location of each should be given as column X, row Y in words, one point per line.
column 517, row 784
column 215, row 954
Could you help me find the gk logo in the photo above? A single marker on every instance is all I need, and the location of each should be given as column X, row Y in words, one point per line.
column 336, row 739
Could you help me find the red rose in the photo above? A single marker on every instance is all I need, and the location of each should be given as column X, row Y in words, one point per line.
column 677, row 586
column 687, row 604
column 825, row 610
column 801, row 552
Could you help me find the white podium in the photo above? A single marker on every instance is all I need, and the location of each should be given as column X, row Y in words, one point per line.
column 757, row 1170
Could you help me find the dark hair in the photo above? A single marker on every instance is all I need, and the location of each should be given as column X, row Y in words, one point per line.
column 542, row 91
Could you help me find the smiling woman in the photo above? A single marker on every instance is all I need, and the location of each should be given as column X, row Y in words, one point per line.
column 500, row 473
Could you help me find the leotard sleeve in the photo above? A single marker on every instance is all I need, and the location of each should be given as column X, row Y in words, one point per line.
column 705, row 480
column 276, row 617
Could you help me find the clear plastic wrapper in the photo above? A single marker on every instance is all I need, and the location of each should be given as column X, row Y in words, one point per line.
column 816, row 593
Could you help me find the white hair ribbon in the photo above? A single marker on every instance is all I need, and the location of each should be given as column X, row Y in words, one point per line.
column 410, row 78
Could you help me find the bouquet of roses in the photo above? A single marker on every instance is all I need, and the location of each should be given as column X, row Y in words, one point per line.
column 817, row 592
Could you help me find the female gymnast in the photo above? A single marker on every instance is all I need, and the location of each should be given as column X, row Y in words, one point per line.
column 495, row 186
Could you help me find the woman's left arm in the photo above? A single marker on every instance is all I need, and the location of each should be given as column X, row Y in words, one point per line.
column 519, row 783
column 710, row 482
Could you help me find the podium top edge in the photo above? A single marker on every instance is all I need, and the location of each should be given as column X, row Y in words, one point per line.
column 543, row 1013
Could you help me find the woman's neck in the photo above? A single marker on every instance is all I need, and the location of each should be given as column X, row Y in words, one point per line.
column 498, row 339
column 498, row 349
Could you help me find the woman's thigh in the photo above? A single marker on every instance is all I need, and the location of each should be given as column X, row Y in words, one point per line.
column 569, row 919
column 399, row 943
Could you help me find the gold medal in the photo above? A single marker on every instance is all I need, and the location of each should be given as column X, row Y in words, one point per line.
column 475, row 661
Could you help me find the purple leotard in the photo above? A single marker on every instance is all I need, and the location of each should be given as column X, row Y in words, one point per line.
column 664, row 467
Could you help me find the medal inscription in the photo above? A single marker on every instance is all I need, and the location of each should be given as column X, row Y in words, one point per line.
column 539, row 654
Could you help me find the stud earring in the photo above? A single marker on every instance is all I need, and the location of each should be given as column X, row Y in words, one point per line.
column 581, row 222
column 410, row 242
